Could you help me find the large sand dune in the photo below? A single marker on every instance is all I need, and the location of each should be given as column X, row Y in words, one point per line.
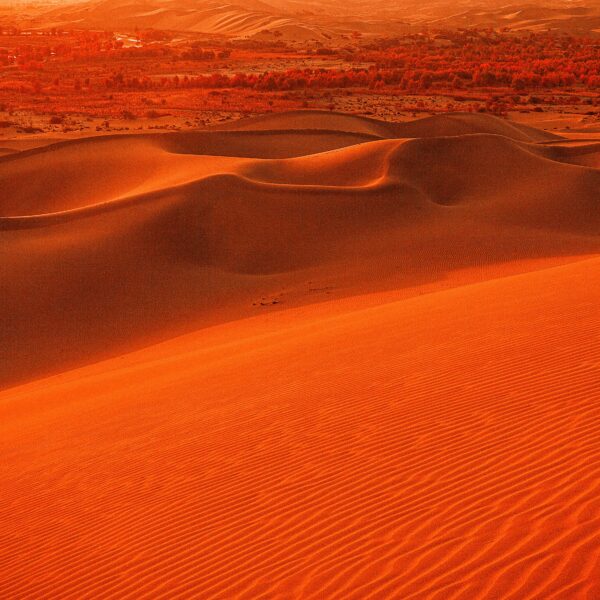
column 311, row 356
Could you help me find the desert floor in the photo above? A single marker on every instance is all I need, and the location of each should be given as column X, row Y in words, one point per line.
column 308, row 355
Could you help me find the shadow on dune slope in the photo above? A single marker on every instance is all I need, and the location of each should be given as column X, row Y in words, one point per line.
column 100, row 258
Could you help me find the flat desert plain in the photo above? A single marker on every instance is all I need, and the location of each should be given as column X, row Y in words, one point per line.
column 306, row 355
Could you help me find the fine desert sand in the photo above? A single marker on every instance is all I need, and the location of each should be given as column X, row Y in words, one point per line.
column 306, row 355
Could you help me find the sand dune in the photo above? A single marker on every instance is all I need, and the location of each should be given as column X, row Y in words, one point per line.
column 444, row 446
column 242, row 18
column 582, row 153
column 563, row 17
column 193, row 238
column 319, row 356
column 436, row 126
column 325, row 21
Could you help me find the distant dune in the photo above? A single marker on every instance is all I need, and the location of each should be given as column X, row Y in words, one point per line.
column 242, row 18
column 320, row 21
column 439, row 125
column 308, row 355
column 566, row 17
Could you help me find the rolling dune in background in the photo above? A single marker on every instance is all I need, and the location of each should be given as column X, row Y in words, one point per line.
column 311, row 355
column 314, row 20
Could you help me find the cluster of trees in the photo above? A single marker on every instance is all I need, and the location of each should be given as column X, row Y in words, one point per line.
column 197, row 53
column 471, row 58
column 373, row 78
column 31, row 53
column 458, row 60
column 414, row 64
column 34, row 53
column 287, row 80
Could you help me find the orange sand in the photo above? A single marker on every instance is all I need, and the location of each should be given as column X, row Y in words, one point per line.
column 317, row 357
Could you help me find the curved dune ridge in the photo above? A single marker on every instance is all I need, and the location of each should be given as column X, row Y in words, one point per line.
column 313, row 356
column 436, row 126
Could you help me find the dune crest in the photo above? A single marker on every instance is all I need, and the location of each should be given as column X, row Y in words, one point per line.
column 435, row 126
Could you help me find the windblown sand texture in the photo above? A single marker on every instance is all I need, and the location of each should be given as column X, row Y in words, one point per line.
column 310, row 356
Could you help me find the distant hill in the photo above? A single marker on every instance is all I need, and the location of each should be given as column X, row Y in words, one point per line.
column 319, row 21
